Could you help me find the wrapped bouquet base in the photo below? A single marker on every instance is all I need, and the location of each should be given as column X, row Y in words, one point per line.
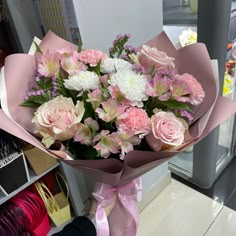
column 118, row 180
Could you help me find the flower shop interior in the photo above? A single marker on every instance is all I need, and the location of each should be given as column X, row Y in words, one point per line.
column 189, row 193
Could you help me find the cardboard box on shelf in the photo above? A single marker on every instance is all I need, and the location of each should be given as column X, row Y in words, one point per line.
column 39, row 161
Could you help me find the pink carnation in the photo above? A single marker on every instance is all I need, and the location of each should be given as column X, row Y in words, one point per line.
column 197, row 94
column 91, row 56
column 134, row 120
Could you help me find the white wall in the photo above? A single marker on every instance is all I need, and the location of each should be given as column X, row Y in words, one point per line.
column 101, row 20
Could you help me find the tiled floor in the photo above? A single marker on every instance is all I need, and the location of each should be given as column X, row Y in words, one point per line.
column 182, row 211
column 223, row 190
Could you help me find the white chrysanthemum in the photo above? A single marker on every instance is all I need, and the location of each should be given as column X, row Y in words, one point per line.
column 111, row 65
column 132, row 85
column 84, row 80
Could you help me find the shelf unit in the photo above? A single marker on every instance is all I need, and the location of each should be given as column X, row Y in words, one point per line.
column 33, row 178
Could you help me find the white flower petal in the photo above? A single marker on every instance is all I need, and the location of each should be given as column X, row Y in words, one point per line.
column 111, row 65
column 132, row 85
column 84, row 80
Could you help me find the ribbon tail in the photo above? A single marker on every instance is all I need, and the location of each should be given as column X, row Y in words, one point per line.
column 131, row 207
column 102, row 222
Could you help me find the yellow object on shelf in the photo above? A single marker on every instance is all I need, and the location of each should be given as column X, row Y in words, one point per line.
column 187, row 37
column 228, row 84
column 57, row 206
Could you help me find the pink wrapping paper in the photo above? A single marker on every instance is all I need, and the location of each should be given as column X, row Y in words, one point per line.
column 194, row 59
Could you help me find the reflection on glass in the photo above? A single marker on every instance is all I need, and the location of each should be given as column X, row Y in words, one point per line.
column 226, row 128
column 183, row 162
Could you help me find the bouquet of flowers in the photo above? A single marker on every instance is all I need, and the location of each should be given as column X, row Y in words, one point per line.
column 116, row 116
column 102, row 106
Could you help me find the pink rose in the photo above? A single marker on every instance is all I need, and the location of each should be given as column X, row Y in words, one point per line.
column 58, row 119
column 152, row 56
column 167, row 129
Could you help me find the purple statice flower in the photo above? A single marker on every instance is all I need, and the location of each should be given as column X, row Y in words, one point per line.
column 115, row 42
column 166, row 74
column 32, row 85
column 186, row 114
column 54, row 93
column 130, row 49
column 32, row 93
column 119, row 36
column 37, row 74
column 118, row 45
column 125, row 57
column 41, row 91
column 54, row 86
column 37, row 78
column 128, row 35
column 138, row 68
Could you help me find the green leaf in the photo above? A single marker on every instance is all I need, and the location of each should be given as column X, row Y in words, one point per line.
column 153, row 71
column 29, row 104
column 36, row 101
column 62, row 90
column 89, row 112
column 38, row 49
column 172, row 104
column 79, row 43
column 96, row 69
column 45, row 83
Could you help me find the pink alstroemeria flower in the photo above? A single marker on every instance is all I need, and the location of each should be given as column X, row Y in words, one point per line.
column 160, row 88
column 126, row 141
column 67, row 51
column 85, row 131
column 107, row 144
column 180, row 90
column 118, row 95
column 196, row 91
column 185, row 88
column 104, row 80
column 48, row 63
column 95, row 98
column 111, row 110
column 72, row 66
